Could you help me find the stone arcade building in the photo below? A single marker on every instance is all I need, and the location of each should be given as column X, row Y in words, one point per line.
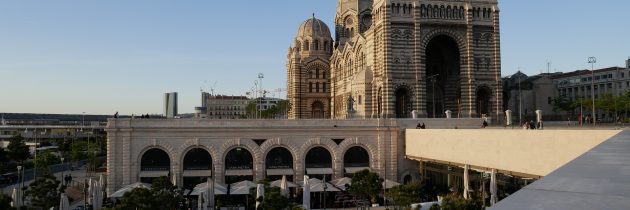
column 391, row 57
column 190, row 150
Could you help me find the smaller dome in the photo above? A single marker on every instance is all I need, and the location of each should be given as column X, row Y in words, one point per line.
column 314, row 28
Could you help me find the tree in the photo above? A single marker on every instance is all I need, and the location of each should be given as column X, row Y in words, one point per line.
column 162, row 195
column 366, row 185
column 43, row 160
column 5, row 202
column 562, row 103
column 405, row 195
column 18, row 151
column 165, row 193
column 138, row 198
column 45, row 191
column 453, row 202
column 274, row 200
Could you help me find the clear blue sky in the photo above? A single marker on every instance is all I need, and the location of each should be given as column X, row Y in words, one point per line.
column 73, row 56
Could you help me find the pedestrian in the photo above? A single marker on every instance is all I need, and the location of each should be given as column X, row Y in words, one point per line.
column 423, row 126
column 532, row 125
column 418, row 126
column 525, row 125
column 485, row 124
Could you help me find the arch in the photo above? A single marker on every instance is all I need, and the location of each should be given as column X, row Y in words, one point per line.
column 317, row 109
column 239, row 159
column 279, row 157
column 443, row 72
column 319, row 157
column 195, row 143
column 248, row 144
column 356, row 156
column 155, row 159
column 306, row 45
column 316, row 45
column 197, row 159
column 402, row 102
column 483, row 97
column 197, row 166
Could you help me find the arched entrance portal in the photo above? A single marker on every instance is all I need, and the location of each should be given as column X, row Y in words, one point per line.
column 317, row 110
column 154, row 163
column 279, row 162
column 403, row 103
column 356, row 159
column 319, row 163
column 239, row 166
column 197, row 167
column 484, row 94
column 443, row 76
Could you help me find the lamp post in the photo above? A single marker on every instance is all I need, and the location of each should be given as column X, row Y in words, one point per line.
column 260, row 77
column 432, row 78
column 520, row 100
column 592, row 61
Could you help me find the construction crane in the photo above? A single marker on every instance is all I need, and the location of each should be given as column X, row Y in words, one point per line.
column 277, row 91
column 205, row 83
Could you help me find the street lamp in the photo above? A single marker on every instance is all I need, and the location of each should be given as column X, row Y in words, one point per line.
column 260, row 77
column 520, row 99
column 432, row 78
column 592, row 61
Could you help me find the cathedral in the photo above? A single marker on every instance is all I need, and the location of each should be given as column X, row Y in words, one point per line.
column 398, row 59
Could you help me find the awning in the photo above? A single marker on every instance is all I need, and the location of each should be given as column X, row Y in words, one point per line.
column 352, row 170
column 153, row 173
column 311, row 171
column 239, row 172
column 272, row 172
column 197, row 173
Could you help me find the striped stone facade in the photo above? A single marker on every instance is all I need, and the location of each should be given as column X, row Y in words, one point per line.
column 388, row 59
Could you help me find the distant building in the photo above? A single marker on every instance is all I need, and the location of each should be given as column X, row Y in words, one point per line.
column 223, row 107
column 524, row 95
column 170, row 105
column 577, row 85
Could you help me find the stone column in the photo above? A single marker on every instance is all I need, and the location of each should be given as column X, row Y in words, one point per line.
column 338, row 170
column 176, row 173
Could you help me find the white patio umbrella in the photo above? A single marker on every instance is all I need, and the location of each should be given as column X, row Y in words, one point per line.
column 341, row 183
column 210, row 193
column 278, row 183
column 247, row 183
column 284, row 189
column 64, row 204
column 129, row 188
column 243, row 190
column 16, row 195
column 260, row 193
column 306, row 195
column 319, row 187
column 388, row 184
column 466, row 182
column 493, row 187
column 219, row 189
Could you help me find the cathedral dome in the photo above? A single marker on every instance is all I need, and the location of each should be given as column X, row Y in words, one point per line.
column 314, row 28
